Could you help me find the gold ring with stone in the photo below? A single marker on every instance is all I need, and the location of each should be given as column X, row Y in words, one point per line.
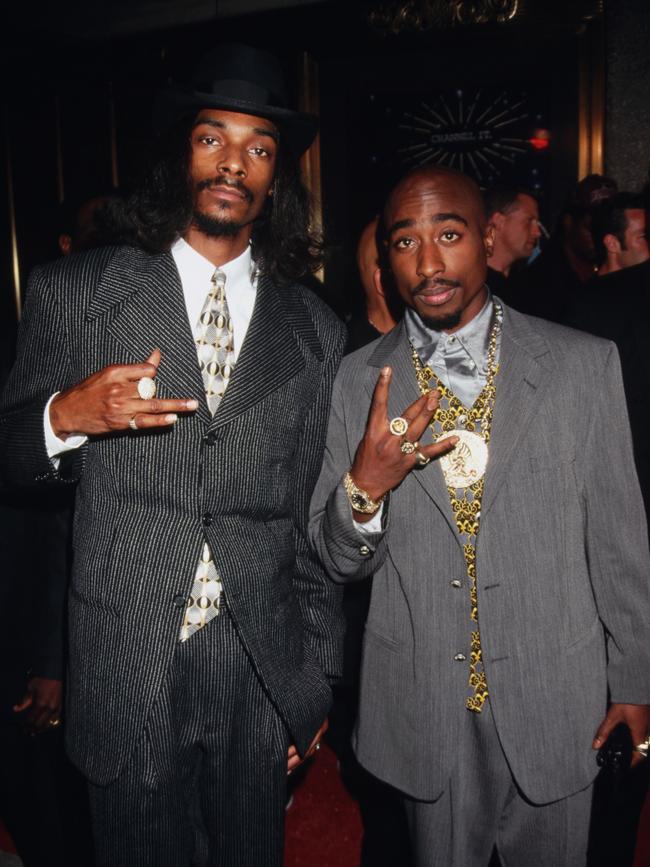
column 146, row 388
column 132, row 423
column 407, row 448
column 642, row 748
column 398, row 426
column 420, row 459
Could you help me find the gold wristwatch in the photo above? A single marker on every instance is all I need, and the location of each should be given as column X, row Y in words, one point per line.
column 360, row 500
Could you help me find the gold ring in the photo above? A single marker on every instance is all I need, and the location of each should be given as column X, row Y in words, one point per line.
column 407, row 448
column 398, row 426
column 642, row 748
column 132, row 423
column 420, row 459
column 53, row 723
column 146, row 388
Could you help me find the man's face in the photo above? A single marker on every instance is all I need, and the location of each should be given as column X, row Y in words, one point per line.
column 437, row 242
column 634, row 249
column 518, row 231
column 232, row 167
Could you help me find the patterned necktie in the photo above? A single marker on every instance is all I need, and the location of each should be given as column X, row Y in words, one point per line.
column 214, row 346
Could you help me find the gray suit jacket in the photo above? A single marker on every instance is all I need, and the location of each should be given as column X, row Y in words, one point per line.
column 562, row 561
column 147, row 500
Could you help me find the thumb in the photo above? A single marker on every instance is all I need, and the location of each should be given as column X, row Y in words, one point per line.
column 24, row 704
column 604, row 730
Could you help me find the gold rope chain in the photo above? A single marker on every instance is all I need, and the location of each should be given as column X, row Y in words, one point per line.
column 466, row 503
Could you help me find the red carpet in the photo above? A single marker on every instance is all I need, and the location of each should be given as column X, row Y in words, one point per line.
column 323, row 827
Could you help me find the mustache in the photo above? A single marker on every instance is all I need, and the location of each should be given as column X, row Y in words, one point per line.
column 438, row 283
column 212, row 183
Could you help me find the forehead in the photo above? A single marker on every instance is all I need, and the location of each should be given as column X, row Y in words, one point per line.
column 635, row 217
column 422, row 198
column 527, row 203
column 233, row 120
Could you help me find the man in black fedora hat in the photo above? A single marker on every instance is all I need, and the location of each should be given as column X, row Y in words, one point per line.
column 182, row 380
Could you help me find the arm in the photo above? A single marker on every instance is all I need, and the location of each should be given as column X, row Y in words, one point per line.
column 619, row 561
column 378, row 467
column 105, row 402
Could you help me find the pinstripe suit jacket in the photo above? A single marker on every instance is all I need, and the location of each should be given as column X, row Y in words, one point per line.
column 562, row 562
column 147, row 500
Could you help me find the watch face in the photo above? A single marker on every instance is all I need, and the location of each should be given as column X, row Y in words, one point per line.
column 358, row 501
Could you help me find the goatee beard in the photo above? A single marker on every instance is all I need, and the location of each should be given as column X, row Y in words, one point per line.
column 442, row 323
column 216, row 227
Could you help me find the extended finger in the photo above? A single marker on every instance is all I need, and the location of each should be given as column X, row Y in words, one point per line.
column 419, row 414
column 159, row 406
column 379, row 406
column 434, row 450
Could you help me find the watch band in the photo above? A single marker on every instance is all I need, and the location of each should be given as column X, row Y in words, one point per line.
column 360, row 500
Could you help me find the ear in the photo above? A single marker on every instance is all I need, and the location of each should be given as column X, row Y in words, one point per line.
column 376, row 279
column 612, row 244
column 488, row 239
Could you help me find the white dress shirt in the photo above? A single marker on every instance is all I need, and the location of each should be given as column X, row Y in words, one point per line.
column 195, row 272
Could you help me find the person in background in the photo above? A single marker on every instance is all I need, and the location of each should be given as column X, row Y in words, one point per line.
column 514, row 214
column 550, row 285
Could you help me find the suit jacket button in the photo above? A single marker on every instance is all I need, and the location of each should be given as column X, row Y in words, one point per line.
column 456, row 583
column 460, row 657
column 364, row 550
column 180, row 601
column 207, row 519
column 210, row 438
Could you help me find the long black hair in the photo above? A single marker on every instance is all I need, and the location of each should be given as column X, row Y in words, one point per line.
column 161, row 208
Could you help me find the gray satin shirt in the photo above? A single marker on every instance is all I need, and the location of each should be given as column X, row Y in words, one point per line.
column 459, row 360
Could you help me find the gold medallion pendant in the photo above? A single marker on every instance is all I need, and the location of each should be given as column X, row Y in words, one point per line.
column 465, row 464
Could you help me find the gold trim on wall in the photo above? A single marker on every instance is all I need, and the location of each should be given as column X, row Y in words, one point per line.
column 13, row 235
column 591, row 112
column 309, row 100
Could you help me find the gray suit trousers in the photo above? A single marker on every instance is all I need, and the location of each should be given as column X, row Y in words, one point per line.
column 482, row 805
column 206, row 783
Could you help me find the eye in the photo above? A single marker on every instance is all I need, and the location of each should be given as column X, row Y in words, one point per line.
column 403, row 243
column 449, row 235
column 208, row 140
column 260, row 152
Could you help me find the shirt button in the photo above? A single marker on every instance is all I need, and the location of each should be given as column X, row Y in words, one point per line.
column 207, row 519
column 180, row 601
column 460, row 657
column 364, row 550
column 210, row 439
column 456, row 583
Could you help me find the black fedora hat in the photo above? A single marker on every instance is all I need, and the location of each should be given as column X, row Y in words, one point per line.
column 243, row 79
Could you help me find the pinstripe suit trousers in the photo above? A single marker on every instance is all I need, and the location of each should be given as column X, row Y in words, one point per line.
column 206, row 784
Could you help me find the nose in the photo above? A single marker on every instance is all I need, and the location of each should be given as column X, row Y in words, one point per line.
column 430, row 262
column 231, row 163
column 535, row 230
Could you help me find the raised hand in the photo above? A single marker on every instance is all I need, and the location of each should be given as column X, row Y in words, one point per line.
column 380, row 463
column 109, row 401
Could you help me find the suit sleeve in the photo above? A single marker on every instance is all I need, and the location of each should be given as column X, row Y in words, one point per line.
column 617, row 539
column 346, row 554
column 42, row 367
column 319, row 600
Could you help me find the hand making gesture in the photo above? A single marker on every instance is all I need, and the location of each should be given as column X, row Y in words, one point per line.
column 390, row 449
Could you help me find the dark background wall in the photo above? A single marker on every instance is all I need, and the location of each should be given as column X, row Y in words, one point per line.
column 80, row 80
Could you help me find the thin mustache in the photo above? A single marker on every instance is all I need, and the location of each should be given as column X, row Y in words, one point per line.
column 440, row 283
column 211, row 183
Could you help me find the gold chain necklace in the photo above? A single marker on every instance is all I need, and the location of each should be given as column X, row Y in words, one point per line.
column 464, row 475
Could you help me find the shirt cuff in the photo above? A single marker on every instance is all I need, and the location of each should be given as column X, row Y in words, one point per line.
column 374, row 525
column 53, row 444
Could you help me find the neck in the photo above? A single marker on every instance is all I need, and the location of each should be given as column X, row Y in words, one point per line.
column 380, row 317
column 218, row 250
column 582, row 269
column 609, row 266
column 500, row 261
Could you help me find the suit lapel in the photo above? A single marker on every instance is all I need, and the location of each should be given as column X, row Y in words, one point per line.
column 521, row 382
column 144, row 299
column 395, row 350
column 269, row 357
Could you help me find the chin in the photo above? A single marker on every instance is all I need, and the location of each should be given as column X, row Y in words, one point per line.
column 440, row 321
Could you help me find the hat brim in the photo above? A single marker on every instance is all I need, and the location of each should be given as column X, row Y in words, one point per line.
column 297, row 128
